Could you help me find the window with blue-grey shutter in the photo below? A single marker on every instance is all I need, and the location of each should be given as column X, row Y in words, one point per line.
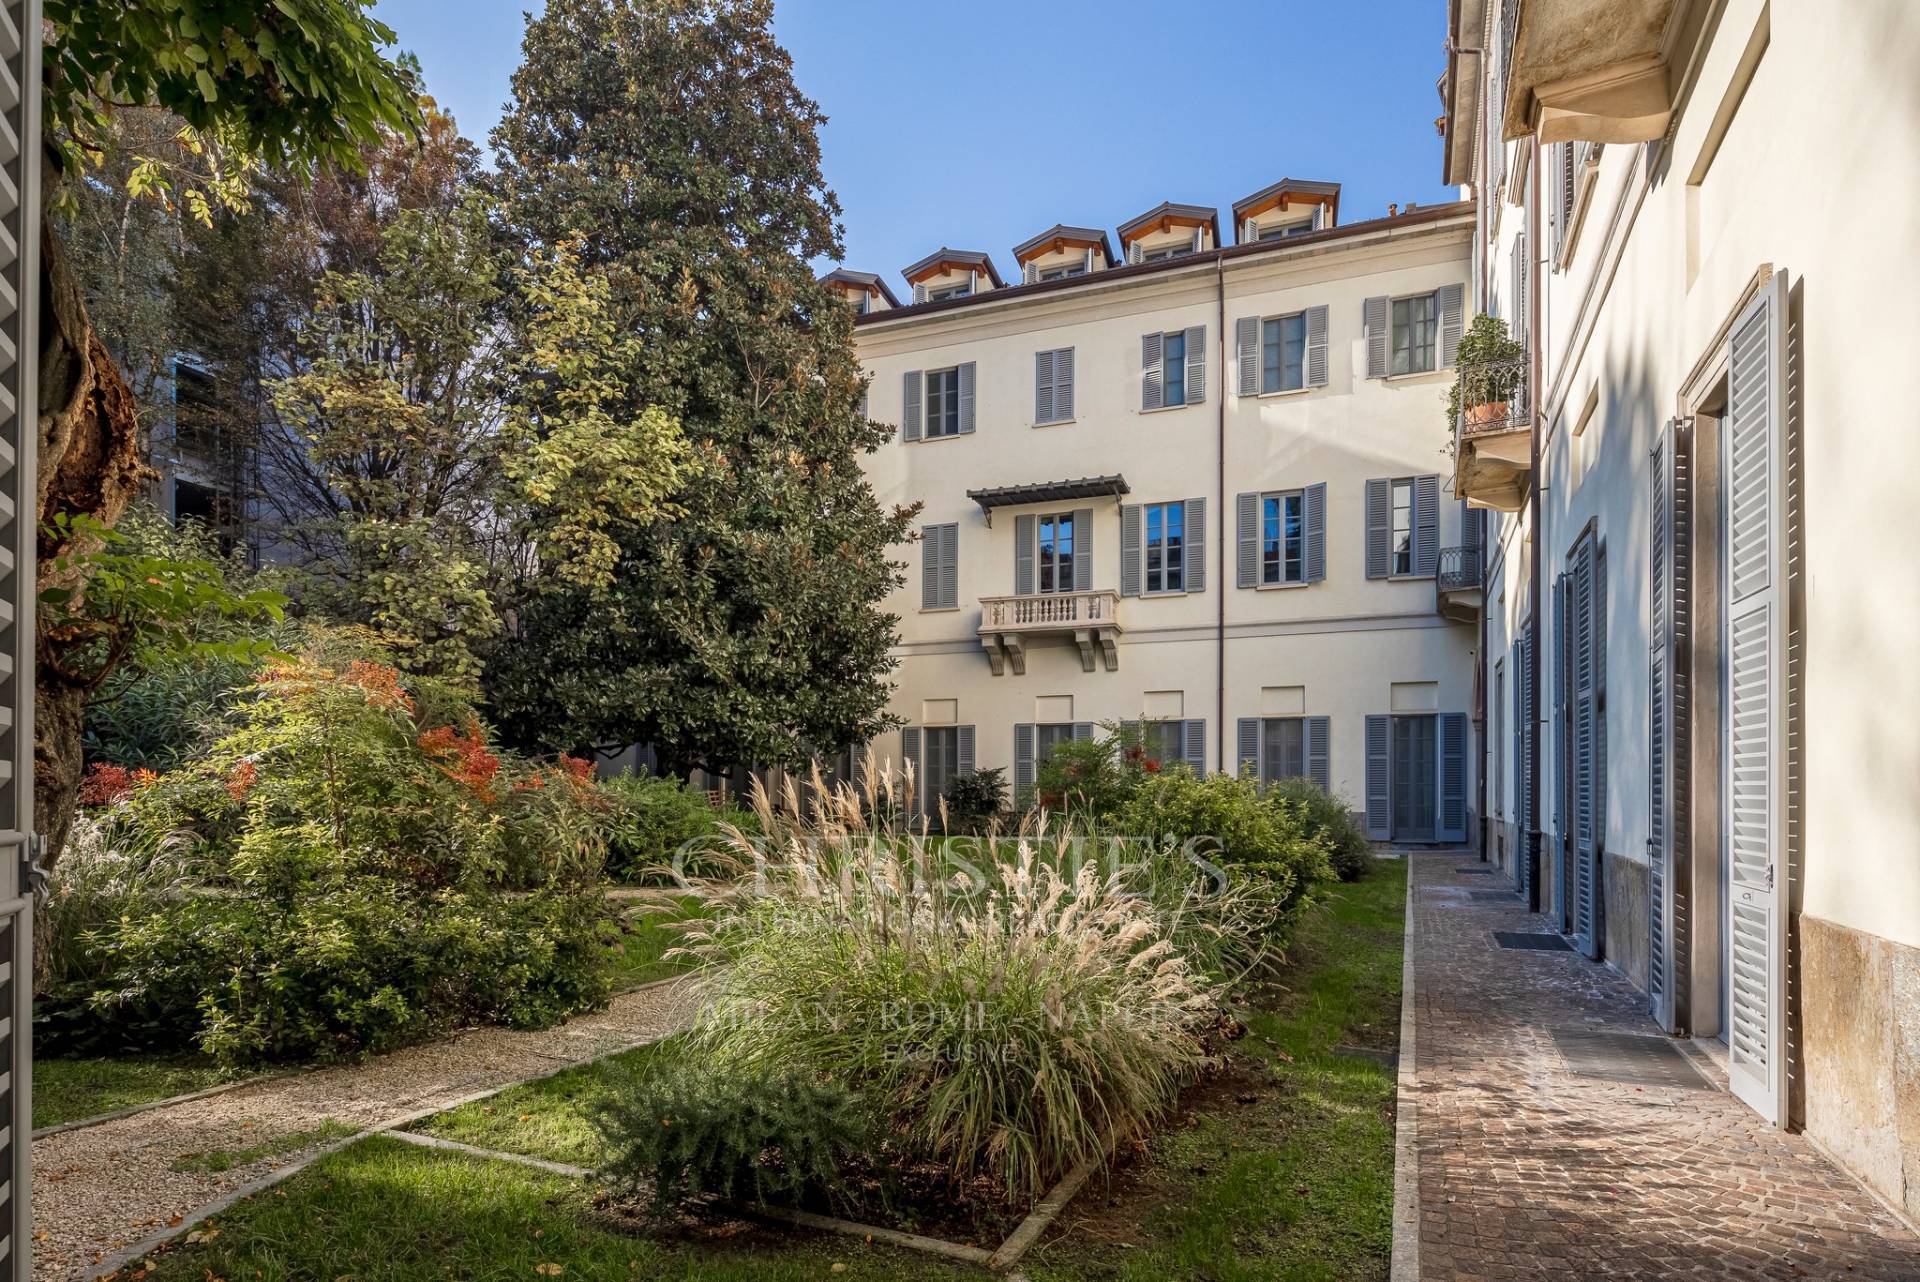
column 1083, row 549
column 1426, row 525
column 1193, row 742
column 1082, row 731
column 1452, row 321
column 1053, row 385
column 1379, row 777
column 940, row 567
column 963, row 758
column 1374, row 313
column 1379, row 528
column 1130, row 550
column 1023, row 554
column 1196, row 545
column 966, row 397
column 1246, row 561
column 1453, row 777
column 1316, row 522
column 1153, row 392
column 1246, row 761
column 1022, row 761
column 910, row 386
column 1319, row 751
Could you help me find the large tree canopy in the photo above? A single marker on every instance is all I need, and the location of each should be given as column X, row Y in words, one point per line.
column 669, row 138
column 293, row 84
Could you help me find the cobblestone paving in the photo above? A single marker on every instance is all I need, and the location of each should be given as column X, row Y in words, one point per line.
column 1527, row 1170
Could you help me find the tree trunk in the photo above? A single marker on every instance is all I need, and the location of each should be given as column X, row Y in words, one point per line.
column 90, row 465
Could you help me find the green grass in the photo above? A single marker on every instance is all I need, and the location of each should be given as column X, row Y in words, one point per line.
column 1298, row 1183
column 216, row 1160
column 66, row 1090
column 547, row 1118
column 384, row 1211
column 638, row 955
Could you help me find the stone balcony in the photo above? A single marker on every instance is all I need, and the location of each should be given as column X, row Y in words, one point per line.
column 1493, row 438
column 1090, row 619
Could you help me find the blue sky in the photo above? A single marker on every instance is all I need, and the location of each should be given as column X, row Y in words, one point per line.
column 977, row 125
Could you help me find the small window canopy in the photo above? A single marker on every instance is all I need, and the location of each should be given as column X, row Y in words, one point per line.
column 1087, row 487
column 1290, row 199
column 855, row 284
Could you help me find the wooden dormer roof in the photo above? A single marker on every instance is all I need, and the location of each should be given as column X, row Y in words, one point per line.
column 1059, row 237
column 859, row 282
column 1289, row 191
column 952, row 260
column 1167, row 216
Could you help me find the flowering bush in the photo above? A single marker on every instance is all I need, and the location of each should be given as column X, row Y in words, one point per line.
column 366, row 869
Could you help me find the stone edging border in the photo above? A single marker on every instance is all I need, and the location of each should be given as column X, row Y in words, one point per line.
column 999, row 1260
column 110, row 1264
column 1405, row 1265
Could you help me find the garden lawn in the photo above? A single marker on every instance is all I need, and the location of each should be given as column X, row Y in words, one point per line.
column 385, row 1211
column 66, row 1090
column 1283, row 1169
column 639, row 956
column 547, row 1118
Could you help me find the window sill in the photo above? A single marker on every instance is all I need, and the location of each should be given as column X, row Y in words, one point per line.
column 1170, row 594
column 1409, row 578
column 939, row 609
column 1291, row 391
column 1165, row 409
column 1055, row 422
column 1284, row 587
column 929, row 440
column 1423, row 376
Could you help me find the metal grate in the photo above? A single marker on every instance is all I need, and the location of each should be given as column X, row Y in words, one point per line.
column 1630, row 1059
column 1530, row 942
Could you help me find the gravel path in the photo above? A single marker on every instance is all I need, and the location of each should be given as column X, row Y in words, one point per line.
column 101, row 1188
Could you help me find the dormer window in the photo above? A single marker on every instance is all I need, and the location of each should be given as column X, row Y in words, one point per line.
column 1169, row 251
column 1170, row 231
column 1062, row 253
column 1284, row 230
column 1291, row 207
column 950, row 291
column 948, row 274
column 1063, row 271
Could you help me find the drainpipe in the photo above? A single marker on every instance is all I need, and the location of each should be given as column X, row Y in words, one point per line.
column 1535, row 359
column 1220, row 519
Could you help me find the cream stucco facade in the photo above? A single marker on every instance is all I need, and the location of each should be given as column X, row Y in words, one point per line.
column 1345, row 647
column 1727, row 268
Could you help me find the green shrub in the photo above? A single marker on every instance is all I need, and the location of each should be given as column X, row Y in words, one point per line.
column 683, row 1131
column 357, row 868
column 651, row 819
column 1009, row 1027
column 975, row 800
column 1228, row 820
column 1349, row 849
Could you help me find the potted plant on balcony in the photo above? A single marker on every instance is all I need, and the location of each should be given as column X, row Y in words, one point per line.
column 1488, row 372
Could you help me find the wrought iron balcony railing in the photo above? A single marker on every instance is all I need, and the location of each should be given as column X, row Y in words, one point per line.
column 1461, row 567
column 1494, row 398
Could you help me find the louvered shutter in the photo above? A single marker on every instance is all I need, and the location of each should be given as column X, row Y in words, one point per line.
column 1379, row 529
column 1521, row 308
column 1600, row 717
column 1130, row 554
column 1063, row 384
column 1193, row 745
column 1082, row 731
column 1246, row 346
column 1426, row 525
column 966, row 397
column 1022, row 760
column 1563, row 720
column 950, row 567
column 1083, row 549
column 1585, row 698
column 1195, row 537
column 1317, row 346
column 910, row 388
column 1029, row 273
column 1517, row 662
column 1043, row 382
column 1136, row 253
column 1319, row 737
column 1087, row 261
column 1196, row 364
column 930, row 553
column 1453, row 776
column 1374, row 314
column 1452, row 323
column 1379, row 777
column 1248, row 760
column 920, row 292
column 1153, row 391
column 1313, row 501
column 20, row 320
column 910, row 756
column 1319, row 217
column 1023, row 554
column 963, row 755
column 1247, row 541
column 1670, row 748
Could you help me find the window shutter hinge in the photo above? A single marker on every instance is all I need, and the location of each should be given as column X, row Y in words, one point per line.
column 33, row 871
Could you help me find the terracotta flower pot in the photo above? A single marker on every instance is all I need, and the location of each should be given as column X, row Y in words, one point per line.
column 1486, row 415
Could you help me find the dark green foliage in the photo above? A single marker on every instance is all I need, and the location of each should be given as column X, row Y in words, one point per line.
column 975, row 800
column 1483, row 378
column 1349, row 850
column 670, row 137
column 1229, row 822
column 685, row 1132
column 654, row 824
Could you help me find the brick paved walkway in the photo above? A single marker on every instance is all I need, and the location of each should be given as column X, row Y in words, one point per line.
column 1527, row 1170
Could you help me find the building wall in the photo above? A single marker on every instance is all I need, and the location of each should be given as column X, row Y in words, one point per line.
column 1756, row 173
column 1345, row 641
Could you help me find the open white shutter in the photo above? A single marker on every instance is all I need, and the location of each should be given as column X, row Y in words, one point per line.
column 1669, row 565
column 1755, row 733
